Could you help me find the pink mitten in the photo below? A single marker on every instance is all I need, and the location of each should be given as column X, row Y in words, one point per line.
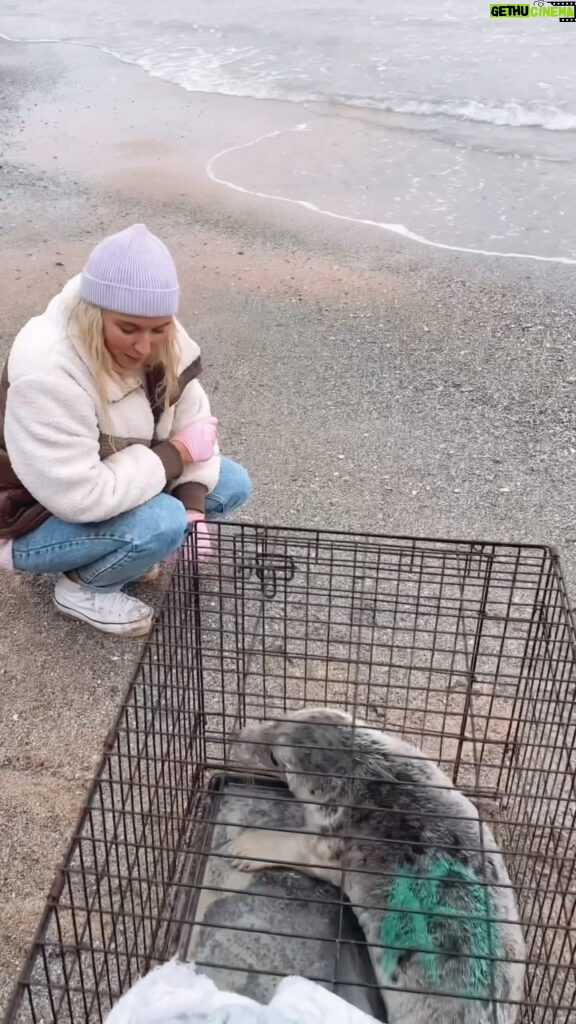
column 199, row 438
column 197, row 522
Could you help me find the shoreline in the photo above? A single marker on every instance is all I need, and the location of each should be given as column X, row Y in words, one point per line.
column 368, row 383
column 203, row 155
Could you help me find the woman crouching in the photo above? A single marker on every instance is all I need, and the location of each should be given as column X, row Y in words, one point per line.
column 108, row 449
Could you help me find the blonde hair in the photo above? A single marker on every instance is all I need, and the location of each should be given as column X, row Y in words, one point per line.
column 87, row 330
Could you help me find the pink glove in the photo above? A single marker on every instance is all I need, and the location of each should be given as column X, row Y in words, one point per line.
column 199, row 438
column 197, row 522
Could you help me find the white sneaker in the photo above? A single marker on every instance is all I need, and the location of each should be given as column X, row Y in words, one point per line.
column 110, row 612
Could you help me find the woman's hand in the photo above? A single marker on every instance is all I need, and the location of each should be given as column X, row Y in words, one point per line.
column 197, row 523
column 203, row 545
column 196, row 441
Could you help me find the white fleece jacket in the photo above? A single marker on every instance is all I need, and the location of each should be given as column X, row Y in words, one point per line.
column 82, row 462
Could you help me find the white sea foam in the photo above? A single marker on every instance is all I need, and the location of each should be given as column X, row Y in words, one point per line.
column 513, row 115
column 206, row 76
column 397, row 229
column 205, row 72
column 241, row 71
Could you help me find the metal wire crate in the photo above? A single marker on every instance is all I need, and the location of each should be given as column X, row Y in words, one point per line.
column 465, row 649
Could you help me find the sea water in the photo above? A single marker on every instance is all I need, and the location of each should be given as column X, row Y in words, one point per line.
column 432, row 120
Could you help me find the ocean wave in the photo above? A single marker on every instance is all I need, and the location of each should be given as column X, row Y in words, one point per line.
column 208, row 74
column 513, row 115
column 197, row 70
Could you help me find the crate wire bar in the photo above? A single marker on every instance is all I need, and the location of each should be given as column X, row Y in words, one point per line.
column 466, row 650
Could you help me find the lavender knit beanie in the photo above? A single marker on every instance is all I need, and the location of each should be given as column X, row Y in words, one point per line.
column 131, row 273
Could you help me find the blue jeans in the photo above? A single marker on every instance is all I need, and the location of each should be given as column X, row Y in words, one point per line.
column 106, row 556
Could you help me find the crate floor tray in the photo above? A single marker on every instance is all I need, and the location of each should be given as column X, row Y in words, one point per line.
column 248, row 931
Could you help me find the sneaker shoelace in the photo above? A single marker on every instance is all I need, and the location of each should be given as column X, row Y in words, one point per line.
column 116, row 602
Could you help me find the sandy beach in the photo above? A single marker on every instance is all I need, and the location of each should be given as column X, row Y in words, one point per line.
column 366, row 381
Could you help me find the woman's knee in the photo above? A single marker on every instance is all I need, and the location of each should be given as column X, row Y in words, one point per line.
column 161, row 525
column 241, row 485
column 232, row 490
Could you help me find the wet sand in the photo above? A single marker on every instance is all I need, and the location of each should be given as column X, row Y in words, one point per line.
column 368, row 383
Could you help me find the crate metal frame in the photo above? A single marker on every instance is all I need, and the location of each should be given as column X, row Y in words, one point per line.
column 466, row 649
